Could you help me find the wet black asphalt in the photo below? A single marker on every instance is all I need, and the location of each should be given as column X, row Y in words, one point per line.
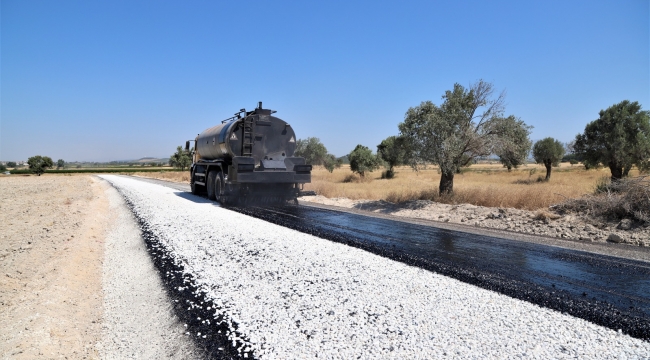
column 606, row 290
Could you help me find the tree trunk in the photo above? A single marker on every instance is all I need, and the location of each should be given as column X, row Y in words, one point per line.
column 447, row 183
column 548, row 165
column 617, row 171
column 626, row 170
column 509, row 168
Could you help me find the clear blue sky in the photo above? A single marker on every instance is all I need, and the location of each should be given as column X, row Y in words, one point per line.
column 116, row 80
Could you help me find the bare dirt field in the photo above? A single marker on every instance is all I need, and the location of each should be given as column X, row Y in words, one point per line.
column 76, row 281
column 51, row 250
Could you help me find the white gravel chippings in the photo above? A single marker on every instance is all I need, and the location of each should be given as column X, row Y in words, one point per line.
column 293, row 295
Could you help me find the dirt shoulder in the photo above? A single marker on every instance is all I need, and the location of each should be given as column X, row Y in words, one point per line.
column 568, row 227
column 76, row 280
column 51, row 251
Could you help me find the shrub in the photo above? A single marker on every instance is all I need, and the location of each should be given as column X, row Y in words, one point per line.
column 388, row 174
column 362, row 160
column 625, row 198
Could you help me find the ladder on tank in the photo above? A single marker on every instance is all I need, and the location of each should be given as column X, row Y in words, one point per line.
column 248, row 137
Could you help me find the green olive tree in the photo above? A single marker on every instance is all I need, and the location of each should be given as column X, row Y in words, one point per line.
column 180, row 159
column 362, row 160
column 468, row 124
column 38, row 164
column 315, row 153
column 515, row 144
column 393, row 151
column 619, row 138
column 549, row 152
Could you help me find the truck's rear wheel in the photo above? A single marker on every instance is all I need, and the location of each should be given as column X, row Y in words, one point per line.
column 212, row 176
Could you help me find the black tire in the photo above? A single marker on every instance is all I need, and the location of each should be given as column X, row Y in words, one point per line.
column 220, row 189
column 212, row 176
column 194, row 188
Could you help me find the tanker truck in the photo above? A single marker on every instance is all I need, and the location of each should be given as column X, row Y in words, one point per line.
column 248, row 158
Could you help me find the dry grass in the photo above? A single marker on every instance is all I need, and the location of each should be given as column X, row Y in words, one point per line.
column 175, row 176
column 545, row 215
column 484, row 185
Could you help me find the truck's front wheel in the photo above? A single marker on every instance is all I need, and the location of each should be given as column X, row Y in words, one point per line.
column 220, row 189
column 212, row 176
column 195, row 188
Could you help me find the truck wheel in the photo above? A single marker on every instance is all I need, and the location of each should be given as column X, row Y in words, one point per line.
column 195, row 188
column 220, row 189
column 212, row 175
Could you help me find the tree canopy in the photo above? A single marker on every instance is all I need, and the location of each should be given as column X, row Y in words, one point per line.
column 549, row 152
column 315, row 153
column 38, row 164
column 513, row 152
column 393, row 151
column 180, row 159
column 362, row 160
column 331, row 162
column 468, row 124
column 60, row 164
column 619, row 138
column 312, row 150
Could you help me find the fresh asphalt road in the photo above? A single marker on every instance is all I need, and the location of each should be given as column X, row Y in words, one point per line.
column 609, row 291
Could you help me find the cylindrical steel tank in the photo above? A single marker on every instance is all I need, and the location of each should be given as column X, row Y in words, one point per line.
column 273, row 138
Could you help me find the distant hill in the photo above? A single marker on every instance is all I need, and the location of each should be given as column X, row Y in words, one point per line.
column 152, row 159
column 144, row 160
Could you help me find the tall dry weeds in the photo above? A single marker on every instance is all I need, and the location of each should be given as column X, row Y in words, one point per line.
column 626, row 198
column 483, row 185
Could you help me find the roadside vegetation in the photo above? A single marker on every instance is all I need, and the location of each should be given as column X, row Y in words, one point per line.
column 315, row 153
column 481, row 184
column 627, row 198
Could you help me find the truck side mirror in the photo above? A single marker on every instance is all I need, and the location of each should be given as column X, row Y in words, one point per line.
column 187, row 145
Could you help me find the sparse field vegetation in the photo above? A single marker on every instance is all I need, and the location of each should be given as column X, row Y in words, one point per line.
column 483, row 185
column 118, row 170
column 176, row 176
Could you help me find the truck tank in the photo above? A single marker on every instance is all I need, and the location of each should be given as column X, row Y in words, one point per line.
column 259, row 135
